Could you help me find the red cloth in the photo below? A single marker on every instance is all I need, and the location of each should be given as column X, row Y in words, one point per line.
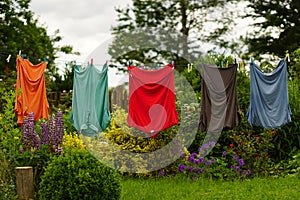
column 151, row 99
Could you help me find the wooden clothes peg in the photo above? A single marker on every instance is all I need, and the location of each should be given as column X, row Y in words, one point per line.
column 8, row 58
column 287, row 57
column 222, row 64
column 251, row 60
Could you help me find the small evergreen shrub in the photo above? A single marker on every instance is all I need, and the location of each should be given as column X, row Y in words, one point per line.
column 76, row 174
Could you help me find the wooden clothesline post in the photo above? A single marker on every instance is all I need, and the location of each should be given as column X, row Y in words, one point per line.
column 24, row 182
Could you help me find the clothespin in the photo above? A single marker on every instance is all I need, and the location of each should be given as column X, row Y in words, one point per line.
column 222, row 64
column 251, row 60
column 20, row 52
column 8, row 58
column 129, row 63
column 83, row 66
column 173, row 64
column 190, row 67
column 22, row 56
column 106, row 62
column 242, row 67
column 158, row 66
column 143, row 67
column 226, row 64
column 45, row 60
column 92, row 61
column 287, row 57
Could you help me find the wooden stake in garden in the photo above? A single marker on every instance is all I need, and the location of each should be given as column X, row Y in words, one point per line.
column 25, row 189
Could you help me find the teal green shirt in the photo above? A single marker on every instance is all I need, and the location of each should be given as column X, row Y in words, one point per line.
column 90, row 103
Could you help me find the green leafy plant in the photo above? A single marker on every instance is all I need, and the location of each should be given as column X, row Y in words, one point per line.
column 7, row 184
column 76, row 174
column 10, row 142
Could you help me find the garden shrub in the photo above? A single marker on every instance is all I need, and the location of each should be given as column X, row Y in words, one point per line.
column 72, row 140
column 120, row 134
column 76, row 174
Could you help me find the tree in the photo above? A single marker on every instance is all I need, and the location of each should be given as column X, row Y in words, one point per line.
column 20, row 31
column 276, row 28
column 151, row 30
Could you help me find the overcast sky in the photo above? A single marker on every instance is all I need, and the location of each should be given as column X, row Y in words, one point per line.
column 82, row 24
column 85, row 25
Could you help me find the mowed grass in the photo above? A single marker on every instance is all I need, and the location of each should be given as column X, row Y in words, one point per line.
column 179, row 187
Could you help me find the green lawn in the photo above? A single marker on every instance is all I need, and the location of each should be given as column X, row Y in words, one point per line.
column 182, row 188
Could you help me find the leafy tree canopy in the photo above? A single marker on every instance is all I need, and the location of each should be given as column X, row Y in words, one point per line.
column 152, row 30
column 20, row 31
column 277, row 27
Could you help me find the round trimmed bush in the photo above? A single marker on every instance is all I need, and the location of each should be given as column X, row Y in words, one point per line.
column 76, row 174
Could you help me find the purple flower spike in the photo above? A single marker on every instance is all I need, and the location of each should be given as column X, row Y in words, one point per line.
column 191, row 169
column 182, row 155
column 207, row 163
column 237, row 168
column 21, row 150
column 212, row 160
column 191, row 157
column 224, row 153
column 236, row 157
column 45, row 133
column 212, row 144
column 59, row 127
column 161, row 173
column 241, row 162
column 36, row 141
column 197, row 161
column 205, row 146
column 181, row 168
column 232, row 167
column 60, row 149
column 25, row 132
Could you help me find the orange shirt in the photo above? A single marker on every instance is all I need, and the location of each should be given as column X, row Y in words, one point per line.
column 31, row 81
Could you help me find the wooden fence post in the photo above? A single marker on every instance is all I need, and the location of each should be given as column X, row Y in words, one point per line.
column 25, row 188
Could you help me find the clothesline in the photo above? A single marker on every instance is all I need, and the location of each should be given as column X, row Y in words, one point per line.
column 189, row 65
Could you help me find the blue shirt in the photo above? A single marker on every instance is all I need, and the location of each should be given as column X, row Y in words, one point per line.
column 269, row 103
